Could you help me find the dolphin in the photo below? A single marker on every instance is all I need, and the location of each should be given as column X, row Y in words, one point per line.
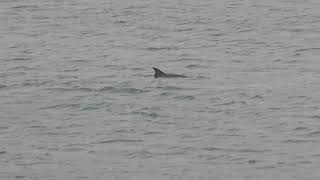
column 159, row 74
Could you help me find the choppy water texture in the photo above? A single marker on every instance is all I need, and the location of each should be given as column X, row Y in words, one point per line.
column 78, row 99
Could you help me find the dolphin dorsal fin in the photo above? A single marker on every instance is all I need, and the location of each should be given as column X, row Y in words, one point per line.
column 158, row 72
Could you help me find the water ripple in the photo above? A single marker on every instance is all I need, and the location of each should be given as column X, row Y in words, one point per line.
column 118, row 141
column 3, row 152
column 231, row 103
column 2, row 86
column 140, row 154
column 20, row 59
column 146, row 114
column 314, row 133
column 62, row 106
column 170, row 88
column 185, row 97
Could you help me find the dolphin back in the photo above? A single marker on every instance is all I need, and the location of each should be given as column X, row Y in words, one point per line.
column 159, row 73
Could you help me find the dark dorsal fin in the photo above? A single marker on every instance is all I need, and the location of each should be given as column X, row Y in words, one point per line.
column 158, row 73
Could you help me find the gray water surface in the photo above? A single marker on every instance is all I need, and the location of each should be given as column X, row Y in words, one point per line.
column 78, row 99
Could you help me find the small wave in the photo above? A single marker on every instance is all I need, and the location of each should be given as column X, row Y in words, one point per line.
column 35, row 83
column 131, row 90
column 148, row 114
column 20, row 59
column 182, row 30
column 74, row 147
column 267, row 167
column 202, row 77
column 161, row 48
column 107, row 88
column 299, row 97
column 214, row 149
column 307, row 49
column 80, row 89
column 2, row 86
column 120, row 22
column 33, row 163
column 170, row 88
column 152, row 132
column 140, row 154
column 80, row 60
column 95, row 106
column 300, row 128
column 165, row 94
column 245, row 30
column 37, row 126
column 90, row 108
column 231, row 103
column 4, row 127
column 194, row 66
column 24, row 6
column 315, row 117
column 3, row 152
column 23, row 68
column 253, row 150
column 185, row 97
column 314, row 133
column 61, row 106
column 305, row 162
column 296, row 141
column 316, row 155
column 103, row 89
column 188, row 59
column 257, row 97
column 119, row 141
column 173, row 153
column 214, row 157
column 235, row 150
column 252, row 161
column 137, row 69
column 71, row 70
